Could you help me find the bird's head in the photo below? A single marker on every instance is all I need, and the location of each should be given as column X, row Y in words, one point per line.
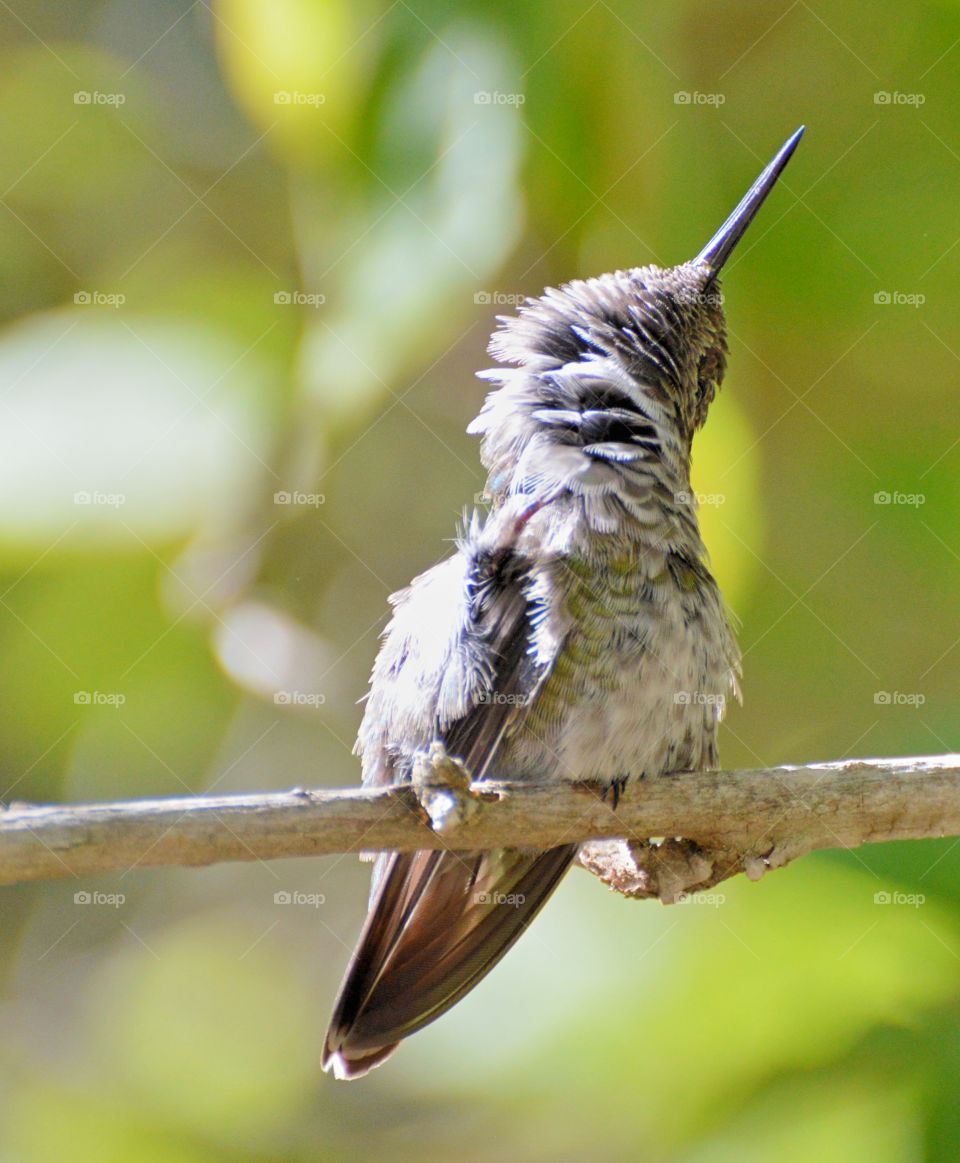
column 611, row 372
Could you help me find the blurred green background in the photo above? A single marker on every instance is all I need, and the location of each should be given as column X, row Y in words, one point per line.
column 251, row 256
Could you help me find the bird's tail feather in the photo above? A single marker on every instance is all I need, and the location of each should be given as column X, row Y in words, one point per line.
column 438, row 923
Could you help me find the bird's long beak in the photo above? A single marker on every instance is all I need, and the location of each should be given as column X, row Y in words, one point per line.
column 720, row 247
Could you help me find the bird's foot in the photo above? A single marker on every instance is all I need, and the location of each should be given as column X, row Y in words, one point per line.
column 442, row 785
column 614, row 790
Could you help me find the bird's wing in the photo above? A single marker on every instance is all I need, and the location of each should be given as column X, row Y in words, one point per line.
column 439, row 921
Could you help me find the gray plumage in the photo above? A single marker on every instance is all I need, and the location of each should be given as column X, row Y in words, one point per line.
column 576, row 633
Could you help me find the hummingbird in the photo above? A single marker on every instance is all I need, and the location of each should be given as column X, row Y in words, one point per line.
column 575, row 634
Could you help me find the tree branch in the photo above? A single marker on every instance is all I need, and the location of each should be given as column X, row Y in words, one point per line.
column 730, row 821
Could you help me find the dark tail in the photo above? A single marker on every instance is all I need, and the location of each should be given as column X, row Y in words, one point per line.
column 438, row 923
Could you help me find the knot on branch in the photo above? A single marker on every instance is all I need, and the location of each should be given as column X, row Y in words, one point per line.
column 669, row 870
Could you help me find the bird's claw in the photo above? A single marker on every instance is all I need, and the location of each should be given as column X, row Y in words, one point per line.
column 614, row 789
column 442, row 786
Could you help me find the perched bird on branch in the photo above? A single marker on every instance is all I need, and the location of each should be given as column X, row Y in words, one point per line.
column 576, row 633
